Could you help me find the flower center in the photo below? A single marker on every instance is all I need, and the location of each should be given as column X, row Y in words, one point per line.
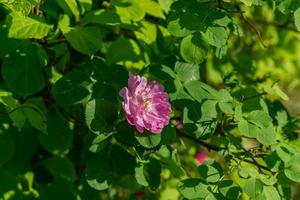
column 146, row 102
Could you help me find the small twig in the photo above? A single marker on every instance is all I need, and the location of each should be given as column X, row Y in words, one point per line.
column 254, row 96
column 230, row 11
column 237, row 50
column 258, row 165
column 276, row 24
column 254, row 28
column 218, row 148
column 27, row 106
column 207, row 145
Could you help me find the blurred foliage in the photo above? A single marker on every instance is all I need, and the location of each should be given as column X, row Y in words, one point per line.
column 63, row 134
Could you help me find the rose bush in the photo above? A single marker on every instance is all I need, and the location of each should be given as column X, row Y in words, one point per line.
column 149, row 99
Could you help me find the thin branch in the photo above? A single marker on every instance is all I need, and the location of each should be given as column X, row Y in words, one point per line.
column 257, row 20
column 251, row 25
column 258, row 165
column 207, row 145
column 254, row 96
column 276, row 24
column 218, row 148
column 27, row 106
column 237, row 50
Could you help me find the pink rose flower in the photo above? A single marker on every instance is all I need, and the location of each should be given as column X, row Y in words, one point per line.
column 201, row 157
column 146, row 105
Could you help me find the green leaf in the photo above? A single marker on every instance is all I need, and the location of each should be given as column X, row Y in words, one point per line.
column 176, row 90
column 265, row 135
column 70, row 7
column 58, row 188
column 103, row 17
column 223, row 96
column 8, row 181
column 173, row 164
column 100, row 142
column 26, row 143
column 126, row 134
column 189, row 16
column 247, row 2
column 123, row 162
column 282, row 118
column 247, row 172
column 59, row 137
column 100, row 115
column 25, row 27
column 208, row 110
column 176, row 170
column 275, row 89
column 12, row 107
column 292, row 168
column 187, row 72
column 216, row 36
column 258, row 125
column 238, row 113
column 147, row 33
column 253, row 187
column 152, row 8
column 288, row 6
column 24, row 7
column 260, row 118
column 8, row 45
column 193, row 189
column 123, row 49
column 266, row 179
column 85, row 5
column 229, row 189
column 226, row 107
column 103, row 91
column 175, row 27
column 86, row 40
column 64, row 22
column 22, row 71
column 169, row 193
column 129, row 9
column 211, row 171
column 168, row 135
column 193, row 48
column 140, row 176
column 98, row 178
column 200, row 91
column 60, row 167
column 269, row 193
column 200, row 119
column 165, row 4
column 273, row 162
column 153, row 173
column 247, row 129
column 73, row 88
column 297, row 18
column 149, row 140
column 252, row 104
column 222, row 19
column 35, row 116
column 258, row 2
column 285, row 152
column 7, row 147
column 162, row 72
